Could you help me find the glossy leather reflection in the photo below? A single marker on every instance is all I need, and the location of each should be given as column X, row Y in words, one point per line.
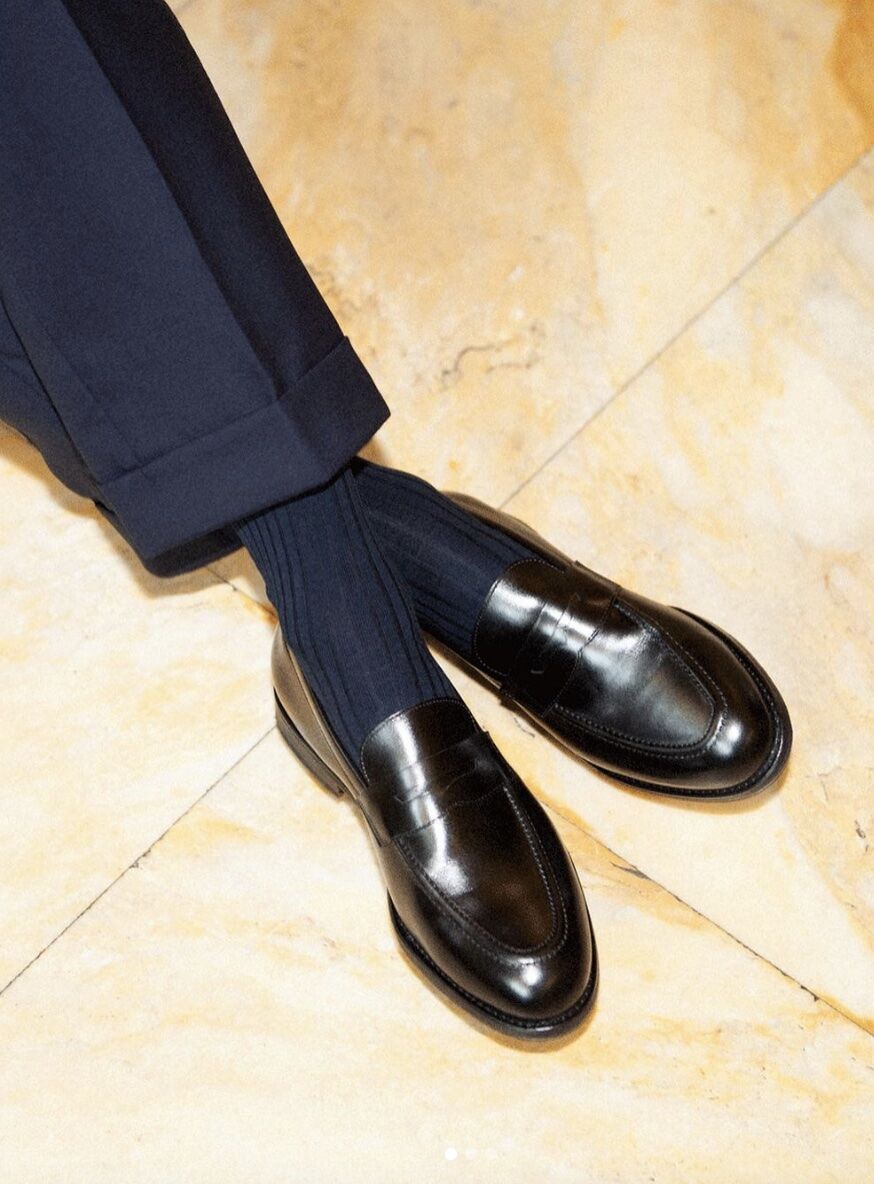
column 651, row 695
column 482, row 894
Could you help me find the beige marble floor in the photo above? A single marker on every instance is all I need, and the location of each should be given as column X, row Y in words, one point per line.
column 514, row 204
column 235, row 1009
column 613, row 264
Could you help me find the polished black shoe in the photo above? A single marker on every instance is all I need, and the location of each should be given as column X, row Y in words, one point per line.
column 653, row 696
column 481, row 892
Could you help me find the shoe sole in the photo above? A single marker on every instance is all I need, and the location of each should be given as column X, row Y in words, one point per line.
column 770, row 768
column 492, row 1016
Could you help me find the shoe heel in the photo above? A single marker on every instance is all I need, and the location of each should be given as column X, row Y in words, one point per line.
column 305, row 754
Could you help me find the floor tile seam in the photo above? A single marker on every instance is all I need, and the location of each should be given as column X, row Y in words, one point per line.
column 626, row 865
column 656, row 356
column 135, row 862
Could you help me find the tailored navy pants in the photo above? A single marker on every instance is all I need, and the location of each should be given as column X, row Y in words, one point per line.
column 161, row 342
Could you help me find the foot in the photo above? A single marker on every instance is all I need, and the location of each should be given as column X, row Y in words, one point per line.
column 651, row 695
column 482, row 895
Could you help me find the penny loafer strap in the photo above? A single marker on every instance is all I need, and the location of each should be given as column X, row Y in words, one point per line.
column 544, row 661
column 424, row 790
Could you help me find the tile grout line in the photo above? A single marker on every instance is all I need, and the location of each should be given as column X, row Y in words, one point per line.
column 737, row 278
column 692, row 320
column 636, row 871
column 242, row 592
column 572, row 822
column 136, row 862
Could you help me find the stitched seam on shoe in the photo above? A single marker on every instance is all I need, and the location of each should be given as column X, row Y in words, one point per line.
column 761, row 683
column 498, row 950
column 450, row 809
column 498, row 947
column 779, row 729
column 559, row 916
column 576, row 662
column 639, row 618
column 675, row 752
column 693, row 748
column 585, row 721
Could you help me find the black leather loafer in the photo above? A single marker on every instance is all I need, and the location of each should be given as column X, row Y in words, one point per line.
column 481, row 891
column 653, row 696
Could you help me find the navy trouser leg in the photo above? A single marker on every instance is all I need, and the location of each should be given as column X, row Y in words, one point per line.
column 25, row 405
column 170, row 354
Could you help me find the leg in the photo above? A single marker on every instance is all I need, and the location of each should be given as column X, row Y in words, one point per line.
column 343, row 611
column 195, row 370
column 194, row 388
column 166, row 323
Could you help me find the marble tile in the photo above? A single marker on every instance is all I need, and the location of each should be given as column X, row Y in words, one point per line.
column 512, row 206
column 235, row 1009
column 735, row 478
column 124, row 698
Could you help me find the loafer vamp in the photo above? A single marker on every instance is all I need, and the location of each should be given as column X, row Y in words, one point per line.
column 481, row 881
column 633, row 683
column 481, row 891
column 480, row 860
column 678, row 708
column 565, row 643
column 497, row 907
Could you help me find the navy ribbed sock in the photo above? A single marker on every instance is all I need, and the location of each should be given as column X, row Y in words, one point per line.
column 343, row 612
column 447, row 558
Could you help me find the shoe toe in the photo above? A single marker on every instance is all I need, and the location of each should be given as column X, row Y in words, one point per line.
column 744, row 739
column 553, row 986
column 744, row 736
column 502, row 913
column 753, row 734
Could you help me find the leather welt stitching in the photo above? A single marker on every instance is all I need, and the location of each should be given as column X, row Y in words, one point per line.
column 585, row 722
column 680, row 752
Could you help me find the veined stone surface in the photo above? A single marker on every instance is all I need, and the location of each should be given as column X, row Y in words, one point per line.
column 525, row 215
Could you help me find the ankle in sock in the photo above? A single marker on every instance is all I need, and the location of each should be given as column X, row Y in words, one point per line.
column 448, row 558
column 343, row 611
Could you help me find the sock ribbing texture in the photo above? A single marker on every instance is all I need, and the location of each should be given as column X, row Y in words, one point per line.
column 342, row 610
column 447, row 557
